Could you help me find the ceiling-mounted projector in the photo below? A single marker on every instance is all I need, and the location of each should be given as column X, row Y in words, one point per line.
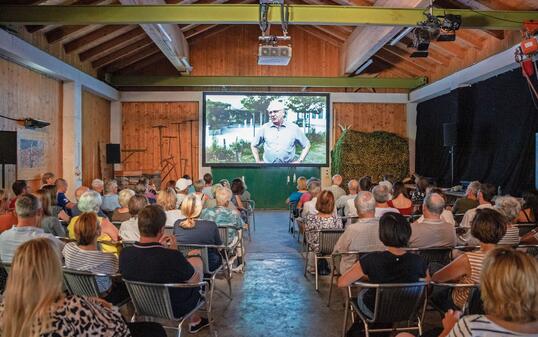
column 270, row 55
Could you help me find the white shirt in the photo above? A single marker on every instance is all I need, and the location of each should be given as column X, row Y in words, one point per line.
column 172, row 216
column 309, row 207
column 350, row 209
column 129, row 230
column 379, row 211
column 446, row 216
column 469, row 215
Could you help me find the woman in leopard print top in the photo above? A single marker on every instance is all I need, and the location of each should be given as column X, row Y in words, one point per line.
column 34, row 304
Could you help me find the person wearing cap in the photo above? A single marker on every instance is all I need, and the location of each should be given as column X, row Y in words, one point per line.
column 279, row 138
column 182, row 187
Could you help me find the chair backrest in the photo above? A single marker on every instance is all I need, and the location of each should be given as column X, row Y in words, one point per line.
column 150, row 299
column 474, row 305
column 82, row 283
column 525, row 228
column 440, row 255
column 186, row 248
column 227, row 232
column 328, row 239
column 399, row 302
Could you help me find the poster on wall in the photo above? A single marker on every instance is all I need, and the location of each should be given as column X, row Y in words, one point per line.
column 31, row 154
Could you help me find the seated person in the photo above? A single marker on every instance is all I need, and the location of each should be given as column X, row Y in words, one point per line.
column 110, row 196
column 400, row 199
column 47, row 178
column 529, row 208
column 335, row 187
column 362, row 235
column 325, row 218
column 62, row 200
column 510, row 208
column 196, row 231
column 47, row 310
column 221, row 214
column 307, row 196
column 433, row 231
column 508, row 286
column 381, row 196
column 341, row 203
column 198, row 190
column 446, row 215
column 129, row 229
column 309, row 207
column 488, row 226
column 19, row 187
column 91, row 202
column 296, row 196
column 167, row 200
column 48, row 222
column 98, row 186
column 208, row 184
column 121, row 214
column 85, row 255
column 28, row 210
column 156, row 259
column 470, row 200
column 419, row 193
column 238, row 188
column 485, row 196
column 56, row 211
column 394, row 265
column 182, row 188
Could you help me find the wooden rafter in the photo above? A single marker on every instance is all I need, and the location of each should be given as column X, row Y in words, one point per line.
column 433, row 56
column 469, row 39
column 197, row 30
column 423, row 63
column 113, row 44
column 62, row 32
column 402, row 70
column 133, row 68
column 321, row 35
column 92, row 38
column 123, row 52
column 126, row 61
column 403, row 63
column 208, row 33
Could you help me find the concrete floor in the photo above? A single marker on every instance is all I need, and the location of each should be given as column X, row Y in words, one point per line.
column 273, row 298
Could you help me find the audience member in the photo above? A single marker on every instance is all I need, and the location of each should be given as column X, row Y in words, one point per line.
column 167, row 200
column 296, row 196
column 171, row 184
column 400, row 199
column 62, row 200
column 48, row 222
column 3, row 202
column 156, row 259
column 394, row 265
column 129, row 228
column 208, row 184
column 335, row 187
column 110, row 197
column 18, row 187
column 388, row 185
column 309, row 207
column 34, row 302
column 148, row 190
column 98, row 186
column 446, row 215
column 488, row 226
column 381, row 196
column 485, row 194
column 28, row 210
column 419, row 193
column 196, row 231
column 529, row 208
column 182, row 186
column 78, row 194
column 324, row 218
column 365, row 184
column 85, row 255
column 225, row 183
column 433, row 231
column 469, row 201
column 510, row 208
column 47, row 178
column 508, row 286
column 198, row 190
column 238, row 188
column 360, row 236
column 353, row 188
column 306, row 195
column 122, row 214
column 56, row 211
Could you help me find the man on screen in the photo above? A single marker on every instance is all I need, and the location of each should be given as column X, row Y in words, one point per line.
column 279, row 138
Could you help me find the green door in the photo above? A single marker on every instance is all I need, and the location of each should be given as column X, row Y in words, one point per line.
column 268, row 186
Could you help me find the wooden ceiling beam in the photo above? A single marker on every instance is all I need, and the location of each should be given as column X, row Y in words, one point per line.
column 128, row 60
column 403, row 70
column 217, row 29
column 433, row 56
column 93, row 37
column 197, row 30
column 400, row 62
column 424, row 63
column 113, row 44
column 133, row 68
column 470, row 39
column 321, row 35
column 332, row 32
column 123, row 52
column 62, row 32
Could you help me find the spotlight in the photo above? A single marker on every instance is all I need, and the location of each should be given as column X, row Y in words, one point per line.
column 450, row 23
column 421, row 42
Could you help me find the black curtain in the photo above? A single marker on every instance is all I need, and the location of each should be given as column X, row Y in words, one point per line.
column 496, row 124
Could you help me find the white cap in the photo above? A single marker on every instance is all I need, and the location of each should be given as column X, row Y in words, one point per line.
column 183, row 184
column 275, row 106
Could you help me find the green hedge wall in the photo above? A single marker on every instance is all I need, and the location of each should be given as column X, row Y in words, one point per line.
column 370, row 153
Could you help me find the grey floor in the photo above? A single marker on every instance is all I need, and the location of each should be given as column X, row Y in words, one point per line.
column 273, row 298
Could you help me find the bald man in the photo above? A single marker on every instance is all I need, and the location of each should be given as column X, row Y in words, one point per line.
column 335, row 187
column 353, row 188
column 433, row 231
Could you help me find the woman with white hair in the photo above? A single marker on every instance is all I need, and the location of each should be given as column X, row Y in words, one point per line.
column 110, row 197
column 122, row 214
column 510, row 208
column 91, row 202
column 193, row 230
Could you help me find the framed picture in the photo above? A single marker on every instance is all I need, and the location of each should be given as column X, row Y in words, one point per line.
column 31, row 154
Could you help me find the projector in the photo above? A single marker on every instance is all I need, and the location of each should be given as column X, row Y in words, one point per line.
column 274, row 55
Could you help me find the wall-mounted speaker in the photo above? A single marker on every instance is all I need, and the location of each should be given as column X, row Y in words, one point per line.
column 113, row 154
column 450, row 134
column 8, row 147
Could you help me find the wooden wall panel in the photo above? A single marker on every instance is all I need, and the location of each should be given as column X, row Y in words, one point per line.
column 95, row 133
column 25, row 93
column 138, row 132
column 370, row 117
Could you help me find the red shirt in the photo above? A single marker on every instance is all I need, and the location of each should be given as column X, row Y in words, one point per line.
column 7, row 221
column 12, row 203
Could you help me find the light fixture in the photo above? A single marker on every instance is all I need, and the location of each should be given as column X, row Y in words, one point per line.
column 28, row 123
column 400, row 36
column 363, row 67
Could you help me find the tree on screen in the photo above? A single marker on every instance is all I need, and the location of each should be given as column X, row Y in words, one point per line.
column 307, row 104
column 217, row 114
column 257, row 105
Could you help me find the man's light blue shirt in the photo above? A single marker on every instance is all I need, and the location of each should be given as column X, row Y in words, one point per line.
column 279, row 142
column 16, row 236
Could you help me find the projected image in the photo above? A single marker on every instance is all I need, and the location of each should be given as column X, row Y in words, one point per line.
column 265, row 129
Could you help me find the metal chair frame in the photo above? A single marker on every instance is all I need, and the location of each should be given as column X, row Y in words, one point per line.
column 471, row 286
column 441, row 255
column 292, row 206
column 251, row 211
column 327, row 241
column 231, row 247
column 155, row 302
column 84, row 283
column 416, row 313
column 334, row 262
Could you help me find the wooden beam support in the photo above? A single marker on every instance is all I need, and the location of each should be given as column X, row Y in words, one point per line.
column 266, row 81
column 197, row 30
column 97, row 35
column 321, row 35
column 115, row 43
column 62, row 32
column 126, row 61
column 400, row 63
column 123, row 52
column 133, row 68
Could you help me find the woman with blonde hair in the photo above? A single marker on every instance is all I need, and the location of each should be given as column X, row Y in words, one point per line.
column 167, row 199
column 48, row 222
column 34, row 304
column 301, row 188
column 193, row 230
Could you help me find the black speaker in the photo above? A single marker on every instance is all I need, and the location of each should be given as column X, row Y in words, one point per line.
column 113, row 155
column 8, row 147
column 450, row 134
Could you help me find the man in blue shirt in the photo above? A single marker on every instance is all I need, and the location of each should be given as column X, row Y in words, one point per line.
column 279, row 138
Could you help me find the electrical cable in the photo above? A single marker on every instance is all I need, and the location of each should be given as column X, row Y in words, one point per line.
column 262, row 18
column 12, row 119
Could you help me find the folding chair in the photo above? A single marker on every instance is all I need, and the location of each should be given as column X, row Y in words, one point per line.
column 335, row 260
column 441, row 256
column 292, row 208
column 251, row 211
column 327, row 241
column 84, row 283
column 232, row 239
column 473, row 305
column 394, row 303
column 152, row 300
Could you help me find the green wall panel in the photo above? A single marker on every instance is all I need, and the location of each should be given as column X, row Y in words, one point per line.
column 268, row 186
